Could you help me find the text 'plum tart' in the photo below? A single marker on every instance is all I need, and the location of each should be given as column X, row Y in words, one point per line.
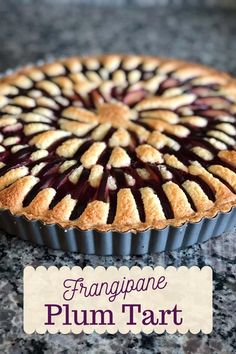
column 117, row 142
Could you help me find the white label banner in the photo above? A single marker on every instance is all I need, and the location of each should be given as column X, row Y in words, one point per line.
column 117, row 299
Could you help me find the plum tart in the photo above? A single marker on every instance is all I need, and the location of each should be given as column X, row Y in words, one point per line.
column 117, row 142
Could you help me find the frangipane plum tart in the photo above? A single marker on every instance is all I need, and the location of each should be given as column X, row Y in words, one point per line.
column 117, row 143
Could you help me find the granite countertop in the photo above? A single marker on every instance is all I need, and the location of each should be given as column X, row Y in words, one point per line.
column 32, row 30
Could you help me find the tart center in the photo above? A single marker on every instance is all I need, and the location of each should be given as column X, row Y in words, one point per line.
column 117, row 114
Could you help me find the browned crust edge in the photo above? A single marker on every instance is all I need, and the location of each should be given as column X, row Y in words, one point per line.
column 140, row 227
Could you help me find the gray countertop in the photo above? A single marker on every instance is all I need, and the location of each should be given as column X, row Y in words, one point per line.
column 33, row 30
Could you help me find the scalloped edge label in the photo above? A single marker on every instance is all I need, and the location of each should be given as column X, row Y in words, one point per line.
column 118, row 299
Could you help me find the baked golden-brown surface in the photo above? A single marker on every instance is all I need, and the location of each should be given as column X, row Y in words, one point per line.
column 117, row 142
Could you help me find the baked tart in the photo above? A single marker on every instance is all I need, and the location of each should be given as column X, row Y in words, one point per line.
column 117, row 143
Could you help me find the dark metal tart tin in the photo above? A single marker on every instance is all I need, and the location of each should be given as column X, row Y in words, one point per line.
column 114, row 243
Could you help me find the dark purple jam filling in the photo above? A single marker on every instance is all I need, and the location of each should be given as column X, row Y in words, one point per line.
column 167, row 84
column 84, row 147
column 113, row 205
column 104, row 157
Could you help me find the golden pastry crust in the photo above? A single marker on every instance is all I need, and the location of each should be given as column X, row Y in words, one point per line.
column 117, row 142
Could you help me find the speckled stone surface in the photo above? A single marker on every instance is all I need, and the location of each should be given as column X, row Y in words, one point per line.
column 32, row 30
